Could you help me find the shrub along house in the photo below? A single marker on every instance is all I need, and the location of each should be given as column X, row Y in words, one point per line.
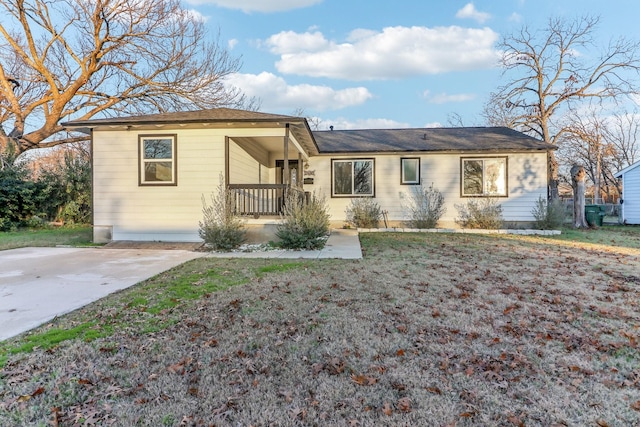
column 150, row 172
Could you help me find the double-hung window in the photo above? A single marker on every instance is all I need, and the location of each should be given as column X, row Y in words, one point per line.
column 158, row 163
column 352, row 178
column 484, row 177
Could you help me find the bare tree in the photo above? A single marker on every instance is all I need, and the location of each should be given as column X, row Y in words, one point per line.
column 454, row 120
column 548, row 72
column 583, row 142
column 603, row 143
column 314, row 122
column 623, row 133
column 75, row 59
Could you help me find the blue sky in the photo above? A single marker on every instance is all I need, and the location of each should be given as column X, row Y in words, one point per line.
column 384, row 64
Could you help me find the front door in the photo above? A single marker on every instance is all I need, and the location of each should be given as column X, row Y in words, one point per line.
column 293, row 172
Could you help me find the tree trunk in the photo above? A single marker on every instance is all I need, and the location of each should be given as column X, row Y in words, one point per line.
column 577, row 181
column 597, row 197
column 553, row 177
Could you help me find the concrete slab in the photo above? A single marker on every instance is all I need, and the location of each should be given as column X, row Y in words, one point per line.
column 343, row 244
column 38, row 284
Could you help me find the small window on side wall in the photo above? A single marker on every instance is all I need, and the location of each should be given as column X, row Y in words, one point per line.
column 484, row 177
column 410, row 171
column 158, row 163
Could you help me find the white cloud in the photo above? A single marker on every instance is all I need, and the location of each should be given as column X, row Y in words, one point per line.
column 433, row 125
column 470, row 11
column 290, row 42
column 233, row 43
column 197, row 16
column 276, row 94
column 444, row 98
column 395, row 52
column 344, row 124
column 265, row 6
column 515, row 17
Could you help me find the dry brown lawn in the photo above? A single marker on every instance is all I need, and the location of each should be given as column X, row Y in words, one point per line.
column 428, row 329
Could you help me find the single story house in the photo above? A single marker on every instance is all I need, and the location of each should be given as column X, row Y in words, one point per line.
column 150, row 172
column 630, row 199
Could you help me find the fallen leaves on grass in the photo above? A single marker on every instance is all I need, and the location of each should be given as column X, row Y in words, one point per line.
column 25, row 397
column 404, row 404
column 363, row 379
column 387, row 408
column 363, row 345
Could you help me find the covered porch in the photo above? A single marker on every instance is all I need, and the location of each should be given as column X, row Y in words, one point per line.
column 261, row 170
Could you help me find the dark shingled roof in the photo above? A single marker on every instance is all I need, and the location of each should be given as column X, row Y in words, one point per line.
column 345, row 141
column 427, row 139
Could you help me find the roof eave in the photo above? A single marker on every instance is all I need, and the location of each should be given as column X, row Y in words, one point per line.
column 627, row 169
column 451, row 151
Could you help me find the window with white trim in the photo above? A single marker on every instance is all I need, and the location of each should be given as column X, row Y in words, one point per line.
column 352, row 178
column 484, row 177
column 410, row 171
column 157, row 159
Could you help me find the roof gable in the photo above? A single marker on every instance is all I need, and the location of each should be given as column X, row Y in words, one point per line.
column 627, row 169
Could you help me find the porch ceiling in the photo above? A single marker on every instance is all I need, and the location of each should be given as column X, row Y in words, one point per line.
column 272, row 144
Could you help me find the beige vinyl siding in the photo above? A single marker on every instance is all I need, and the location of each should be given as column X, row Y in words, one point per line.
column 527, row 183
column 154, row 213
column 527, row 180
column 265, row 174
column 243, row 168
column 123, row 210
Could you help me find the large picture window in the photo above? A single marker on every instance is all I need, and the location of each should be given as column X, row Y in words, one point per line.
column 484, row 176
column 157, row 159
column 352, row 178
column 410, row 171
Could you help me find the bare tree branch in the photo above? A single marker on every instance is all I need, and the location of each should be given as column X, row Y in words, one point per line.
column 547, row 73
column 603, row 144
column 76, row 59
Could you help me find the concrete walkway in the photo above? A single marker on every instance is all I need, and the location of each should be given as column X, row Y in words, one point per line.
column 39, row 284
column 342, row 243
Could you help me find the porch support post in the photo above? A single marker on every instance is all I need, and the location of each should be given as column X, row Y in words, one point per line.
column 299, row 171
column 226, row 161
column 285, row 179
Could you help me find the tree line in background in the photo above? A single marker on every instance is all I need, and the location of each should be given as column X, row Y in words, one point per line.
column 51, row 188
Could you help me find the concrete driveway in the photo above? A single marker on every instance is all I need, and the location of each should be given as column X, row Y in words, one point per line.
column 38, row 284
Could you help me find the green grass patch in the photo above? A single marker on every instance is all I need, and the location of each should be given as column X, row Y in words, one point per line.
column 611, row 235
column 50, row 338
column 145, row 308
column 73, row 236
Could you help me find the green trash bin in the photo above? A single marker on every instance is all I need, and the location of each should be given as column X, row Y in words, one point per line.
column 594, row 215
column 602, row 214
